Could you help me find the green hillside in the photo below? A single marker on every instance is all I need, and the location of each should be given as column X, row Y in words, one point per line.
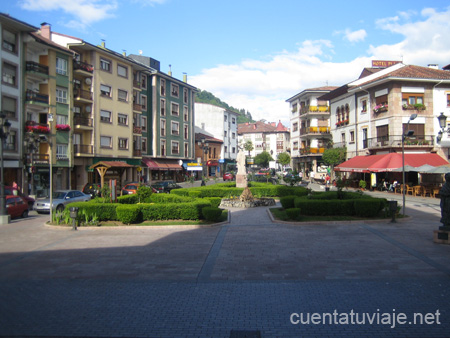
column 207, row 97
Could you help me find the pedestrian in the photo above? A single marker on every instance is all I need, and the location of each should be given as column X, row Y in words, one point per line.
column 15, row 188
column 327, row 179
column 312, row 175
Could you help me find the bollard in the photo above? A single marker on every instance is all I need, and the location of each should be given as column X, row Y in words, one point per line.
column 73, row 215
column 393, row 210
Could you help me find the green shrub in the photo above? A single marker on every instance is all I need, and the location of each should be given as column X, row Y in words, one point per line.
column 129, row 214
column 144, row 193
column 368, row 207
column 211, row 214
column 194, row 193
column 104, row 211
column 293, row 213
column 169, row 198
column 287, row 202
column 127, row 199
column 215, row 201
column 165, row 211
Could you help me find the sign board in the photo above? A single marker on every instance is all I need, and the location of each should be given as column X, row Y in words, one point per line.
column 383, row 64
column 139, row 169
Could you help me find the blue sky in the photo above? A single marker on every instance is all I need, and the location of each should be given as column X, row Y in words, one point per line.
column 255, row 54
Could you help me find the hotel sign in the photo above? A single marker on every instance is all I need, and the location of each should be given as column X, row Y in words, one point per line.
column 383, row 64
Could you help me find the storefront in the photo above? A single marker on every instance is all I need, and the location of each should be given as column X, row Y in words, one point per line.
column 162, row 170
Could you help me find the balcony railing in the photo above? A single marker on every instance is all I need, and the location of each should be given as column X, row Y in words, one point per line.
column 31, row 96
column 83, row 149
column 137, row 106
column 137, row 152
column 82, row 94
column 136, row 84
column 312, row 151
column 314, row 109
column 82, row 121
column 32, row 66
column 79, row 65
column 395, row 141
column 137, row 130
column 37, row 158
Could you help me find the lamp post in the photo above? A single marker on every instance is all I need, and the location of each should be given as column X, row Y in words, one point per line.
column 31, row 144
column 204, row 145
column 406, row 133
column 442, row 124
column 4, row 132
column 50, row 120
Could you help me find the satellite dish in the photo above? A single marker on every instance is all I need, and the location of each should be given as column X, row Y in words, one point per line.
column 88, row 81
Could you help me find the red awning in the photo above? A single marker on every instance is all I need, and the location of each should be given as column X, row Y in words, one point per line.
column 160, row 164
column 389, row 162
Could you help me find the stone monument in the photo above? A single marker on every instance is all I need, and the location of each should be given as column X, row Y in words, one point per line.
column 441, row 236
column 241, row 176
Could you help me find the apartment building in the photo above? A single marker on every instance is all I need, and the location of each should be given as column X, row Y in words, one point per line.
column 221, row 124
column 310, row 128
column 372, row 114
column 271, row 137
column 168, row 123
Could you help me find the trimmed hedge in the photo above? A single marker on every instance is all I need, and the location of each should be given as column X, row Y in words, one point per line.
column 129, row 214
column 165, row 211
column 369, row 207
column 169, row 198
column 104, row 211
column 127, row 199
column 333, row 195
column 211, row 214
column 293, row 213
column 287, row 202
column 361, row 207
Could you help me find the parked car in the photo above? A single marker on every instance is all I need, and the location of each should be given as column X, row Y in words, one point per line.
column 228, row 177
column 93, row 189
column 10, row 191
column 60, row 199
column 130, row 188
column 166, row 186
column 16, row 206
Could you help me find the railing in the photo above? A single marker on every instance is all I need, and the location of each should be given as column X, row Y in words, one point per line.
column 82, row 94
column 395, row 141
column 38, row 158
column 136, row 84
column 314, row 109
column 312, row 150
column 340, row 145
column 31, row 66
column 83, row 149
column 137, row 152
column 137, row 130
column 82, row 121
column 79, row 65
column 137, row 106
column 36, row 97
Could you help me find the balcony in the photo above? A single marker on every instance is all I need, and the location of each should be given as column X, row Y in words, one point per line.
column 395, row 141
column 36, row 68
column 82, row 121
column 32, row 97
column 314, row 111
column 136, row 84
column 137, row 152
column 79, row 149
column 137, row 107
column 38, row 128
column 312, row 151
column 137, row 130
column 83, row 67
column 82, row 95
column 37, row 159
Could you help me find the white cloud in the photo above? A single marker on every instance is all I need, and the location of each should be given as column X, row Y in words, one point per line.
column 85, row 12
column 149, row 2
column 355, row 36
column 262, row 87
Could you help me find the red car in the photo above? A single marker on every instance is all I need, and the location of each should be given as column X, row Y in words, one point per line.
column 30, row 201
column 16, row 206
column 228, row 177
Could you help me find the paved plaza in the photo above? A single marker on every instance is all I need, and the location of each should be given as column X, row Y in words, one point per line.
column 251, row 276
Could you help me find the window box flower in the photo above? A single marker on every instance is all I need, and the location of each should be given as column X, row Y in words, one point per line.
column 62, row 127
column 38, row 129
column 380, row 108
column 417, row 106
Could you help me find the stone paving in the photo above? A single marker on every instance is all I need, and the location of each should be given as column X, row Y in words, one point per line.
column 251, row 274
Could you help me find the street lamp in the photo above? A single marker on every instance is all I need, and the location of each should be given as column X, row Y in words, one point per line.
column 31, row 144
column 4, row 132
column 408, row 133
column 204, row 145
column 442, row 124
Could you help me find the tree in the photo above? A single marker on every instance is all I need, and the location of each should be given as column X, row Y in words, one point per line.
column 248, row 145
column 284, row 159
column 263, row 159
column 334, row 156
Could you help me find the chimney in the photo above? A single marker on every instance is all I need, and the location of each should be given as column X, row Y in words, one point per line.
column 46, row 30
column 124, row 52
column 103, row 45
column 185, row 77
column 433, row 66
column 170, row 70
column 254, row 126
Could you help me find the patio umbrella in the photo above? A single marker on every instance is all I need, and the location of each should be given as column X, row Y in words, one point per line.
column 443, row 169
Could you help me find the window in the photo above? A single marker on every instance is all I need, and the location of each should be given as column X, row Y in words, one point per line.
column 105, row 65
column 122, row 119
column 61, row 152
column 295, row 145
column 295, row 126
column 233, row 120
column 412, row 98
column 175, row 127
column 105, row 91
column 174, row 90
column 61, row 66
column 105, row 116
column 123, row 143
column 163, row 127
column 175, row 109
column 225, row 133
column 9, row 74
column 381, row 100
column 364, row 106
column 185, row 95
column 294, row 107
column 186, row 132
column 343, row 137
column 448, row 100
column 163, row 87
column 61, row 95
column 163, row 147
column 144, row 145
column 186, row 113
column 233, row 136
column 225, row 118
column 233, row 150
column 225, row 149
column 144, row 123
column 186, row 149
column 122, row 71
column 9, row 41
column 419, row 130
column 11, row 141
column 9, row 106
column 163, row 107
column 175, row 147
column 122, row 95
column 144, row 102
column 352, row 136
column 61, row 119
column 143, row 81
column 364, row 137
column 105, row 141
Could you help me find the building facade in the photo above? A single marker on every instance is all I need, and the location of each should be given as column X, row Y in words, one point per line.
column 310, row 129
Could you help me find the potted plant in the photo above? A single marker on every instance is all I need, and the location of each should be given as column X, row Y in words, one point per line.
column 362, row 184
column 62, row 127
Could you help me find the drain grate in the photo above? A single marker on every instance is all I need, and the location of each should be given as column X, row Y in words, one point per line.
column 245, row 334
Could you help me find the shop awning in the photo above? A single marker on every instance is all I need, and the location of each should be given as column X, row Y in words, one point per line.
column 161, row 164
column 389, row 162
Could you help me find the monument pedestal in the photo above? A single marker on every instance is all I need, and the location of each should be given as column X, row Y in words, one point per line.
column 441, row 236
column 241, row 181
